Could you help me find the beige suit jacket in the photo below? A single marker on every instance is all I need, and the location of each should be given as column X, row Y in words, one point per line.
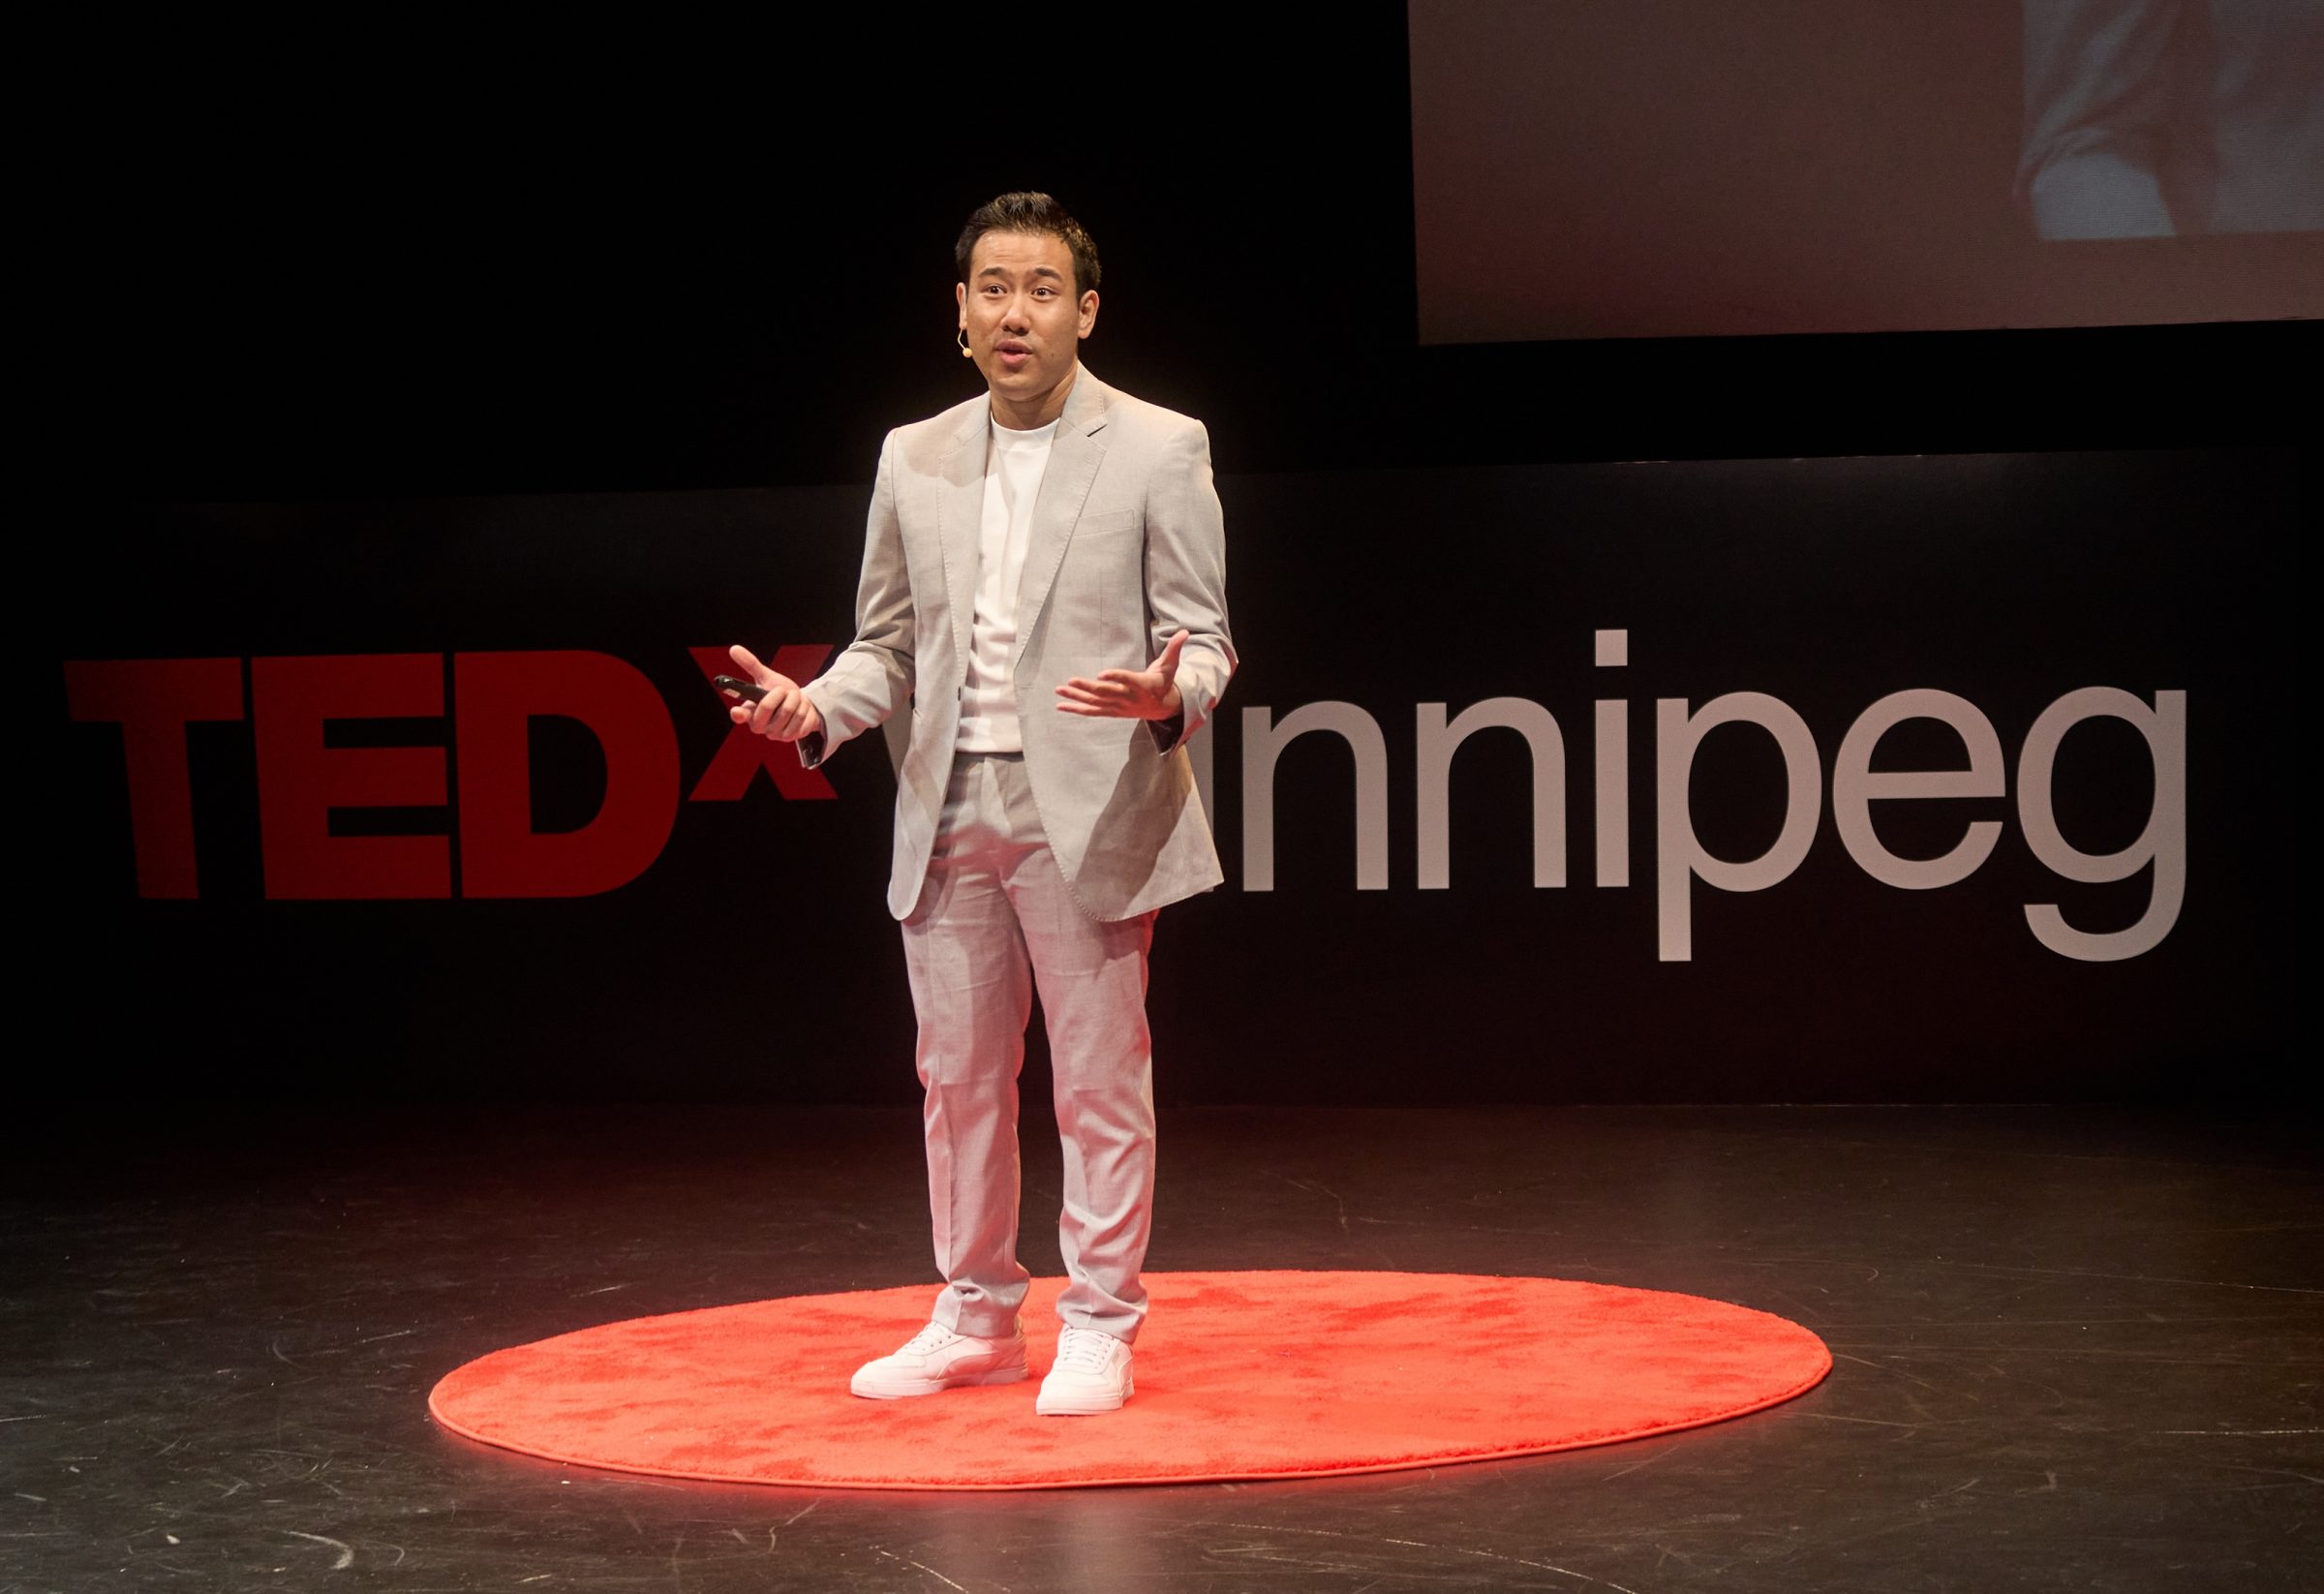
column 1127, row 546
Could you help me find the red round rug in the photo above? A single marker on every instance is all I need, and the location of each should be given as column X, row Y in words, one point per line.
column 1239, row 1375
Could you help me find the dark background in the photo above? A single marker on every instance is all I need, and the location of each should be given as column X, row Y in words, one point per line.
column 379, row 281
column 394, row 265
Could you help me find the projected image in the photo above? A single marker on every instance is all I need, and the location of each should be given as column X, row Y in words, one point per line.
column 1617, row 168
column 2152, row 118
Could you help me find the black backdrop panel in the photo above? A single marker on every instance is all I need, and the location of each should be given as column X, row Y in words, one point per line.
column 530, row 658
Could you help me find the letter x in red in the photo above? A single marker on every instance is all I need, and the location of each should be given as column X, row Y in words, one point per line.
column 741, row 755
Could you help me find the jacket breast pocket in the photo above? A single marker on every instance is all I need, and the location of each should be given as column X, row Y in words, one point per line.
column 1107, row 527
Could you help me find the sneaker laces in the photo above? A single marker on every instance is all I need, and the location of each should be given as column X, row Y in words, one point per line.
column 1085, row 1349
column 927, row 1340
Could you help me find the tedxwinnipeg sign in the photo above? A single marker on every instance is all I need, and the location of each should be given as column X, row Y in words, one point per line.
column 1680, row 859
column 301, row 779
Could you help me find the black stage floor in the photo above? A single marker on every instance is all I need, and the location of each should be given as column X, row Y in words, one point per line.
column 2075, row 1349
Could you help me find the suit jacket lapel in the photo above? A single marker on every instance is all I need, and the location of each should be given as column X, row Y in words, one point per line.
column 1073, row 461
column 959, row 522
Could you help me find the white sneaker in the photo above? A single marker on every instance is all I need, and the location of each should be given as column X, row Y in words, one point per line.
column 938, row 1359
column 1091, row 1374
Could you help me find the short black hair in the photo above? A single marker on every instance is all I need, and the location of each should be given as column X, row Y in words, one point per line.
column 1039, row 215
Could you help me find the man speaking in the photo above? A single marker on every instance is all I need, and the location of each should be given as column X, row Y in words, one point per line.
column 1044, row 587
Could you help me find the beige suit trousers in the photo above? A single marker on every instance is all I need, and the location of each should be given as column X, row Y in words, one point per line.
column 994, row 917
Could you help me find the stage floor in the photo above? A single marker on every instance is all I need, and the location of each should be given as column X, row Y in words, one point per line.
column 2074, row 1348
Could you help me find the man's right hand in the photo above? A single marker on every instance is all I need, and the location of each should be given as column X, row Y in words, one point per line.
column 783, row 714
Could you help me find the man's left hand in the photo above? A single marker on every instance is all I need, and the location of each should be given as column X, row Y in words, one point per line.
column 1150, row 693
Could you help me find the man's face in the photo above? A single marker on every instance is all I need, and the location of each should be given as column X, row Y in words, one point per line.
column 1019, row 312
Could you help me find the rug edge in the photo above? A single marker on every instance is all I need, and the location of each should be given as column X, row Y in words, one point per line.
column 1449, row 1459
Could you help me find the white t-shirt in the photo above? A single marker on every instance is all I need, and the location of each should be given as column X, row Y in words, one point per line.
column 1014, row 461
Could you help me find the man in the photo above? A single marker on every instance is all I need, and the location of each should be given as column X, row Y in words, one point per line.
column 1044, row 585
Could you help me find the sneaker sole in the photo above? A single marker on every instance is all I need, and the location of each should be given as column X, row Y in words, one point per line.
column 905, row 1388
column 1064, row 1406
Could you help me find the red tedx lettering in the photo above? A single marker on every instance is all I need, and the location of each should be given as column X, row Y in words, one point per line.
column 300, row 781
column 153, row 700
column 741, row 755
column 500, row 854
